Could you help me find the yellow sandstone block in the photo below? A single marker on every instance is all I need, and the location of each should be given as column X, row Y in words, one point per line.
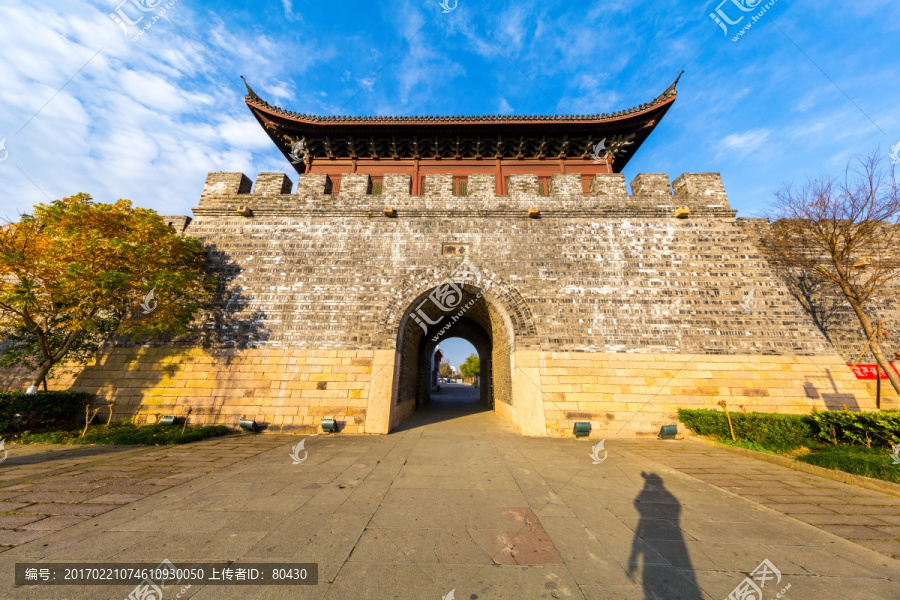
column 328, row 377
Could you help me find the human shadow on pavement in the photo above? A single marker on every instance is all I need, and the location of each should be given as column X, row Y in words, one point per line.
column 658, row 534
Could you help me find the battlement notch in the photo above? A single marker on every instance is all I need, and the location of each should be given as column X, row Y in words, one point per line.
column 609, row 184
column 224, row 184
column 272, row 184
column 651, row 184
column 704, row 185
column 356, row 184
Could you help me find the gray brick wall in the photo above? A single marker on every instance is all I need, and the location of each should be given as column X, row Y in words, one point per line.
column 604, row 271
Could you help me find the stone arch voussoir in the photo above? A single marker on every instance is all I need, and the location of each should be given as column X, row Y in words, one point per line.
column 498, row 292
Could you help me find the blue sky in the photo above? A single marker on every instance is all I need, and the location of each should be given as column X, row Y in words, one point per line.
column 85, row 108
column 456, row 350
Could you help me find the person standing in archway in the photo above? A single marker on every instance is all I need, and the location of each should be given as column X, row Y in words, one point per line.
column 436, row 369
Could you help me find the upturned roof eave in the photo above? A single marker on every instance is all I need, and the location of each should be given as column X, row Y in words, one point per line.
column 327, row 122
column 255, row 103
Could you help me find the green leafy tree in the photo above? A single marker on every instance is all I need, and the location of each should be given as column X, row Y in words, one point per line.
column 471, row 367
column 446, row 369
column 76, row 271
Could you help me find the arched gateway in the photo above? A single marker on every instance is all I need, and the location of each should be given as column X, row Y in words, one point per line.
column 467, row 303
column 586, row 302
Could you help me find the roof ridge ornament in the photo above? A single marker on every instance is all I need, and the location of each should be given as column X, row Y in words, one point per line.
column 671, row 88
column 250, row 93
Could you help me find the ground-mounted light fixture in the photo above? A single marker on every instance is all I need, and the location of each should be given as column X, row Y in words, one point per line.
column 249, row 425
column 534, row 212
column 582, row 429
column 169, row 420
column 668, row 432
column 329, row 425
column 682, row 212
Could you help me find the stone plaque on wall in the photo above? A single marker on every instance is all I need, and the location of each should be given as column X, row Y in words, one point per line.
column 455, row 249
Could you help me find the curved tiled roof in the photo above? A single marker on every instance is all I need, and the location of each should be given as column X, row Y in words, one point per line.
column 461, row 136
column 669, row 94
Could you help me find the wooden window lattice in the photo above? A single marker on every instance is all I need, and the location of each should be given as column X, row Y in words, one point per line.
column 544, row 186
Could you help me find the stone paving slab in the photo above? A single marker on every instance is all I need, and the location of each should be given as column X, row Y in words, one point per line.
column 866, row 517
column 461, row 502
column 43, row 483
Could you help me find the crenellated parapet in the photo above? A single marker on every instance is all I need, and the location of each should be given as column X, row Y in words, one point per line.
column 651, row 184
column 691, row 195
column 177, row 222
column 225, row 184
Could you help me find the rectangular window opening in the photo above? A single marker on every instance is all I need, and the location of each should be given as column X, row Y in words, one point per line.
column 460, row 186
column 544, row 186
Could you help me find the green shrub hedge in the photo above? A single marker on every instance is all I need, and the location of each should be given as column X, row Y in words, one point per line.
column 871, row 429
column 43, row 410
column 125, row 434
column 782, row 433
column 778, row 432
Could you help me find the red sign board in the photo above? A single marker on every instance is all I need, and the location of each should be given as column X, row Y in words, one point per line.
column 868, row 371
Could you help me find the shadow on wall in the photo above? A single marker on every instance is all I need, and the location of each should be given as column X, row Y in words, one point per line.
column 141, row 377
column 658, row 533
column 832, row 401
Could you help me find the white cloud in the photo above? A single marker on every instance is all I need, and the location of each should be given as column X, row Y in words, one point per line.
column 143, row 120
column 288, row 6
column 280, row 91
column 740, row 145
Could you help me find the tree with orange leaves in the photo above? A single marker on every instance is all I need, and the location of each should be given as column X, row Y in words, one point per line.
column 76, row 271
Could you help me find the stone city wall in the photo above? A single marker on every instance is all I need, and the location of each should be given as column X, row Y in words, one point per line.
column 612, row 310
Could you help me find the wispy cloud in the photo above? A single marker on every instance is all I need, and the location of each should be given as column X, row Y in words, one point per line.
column 147, row 119
column 144, row 120
column 288, row 6
column 738, row 146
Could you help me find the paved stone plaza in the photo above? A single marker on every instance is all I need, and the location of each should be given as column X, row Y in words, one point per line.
column 453, row 500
